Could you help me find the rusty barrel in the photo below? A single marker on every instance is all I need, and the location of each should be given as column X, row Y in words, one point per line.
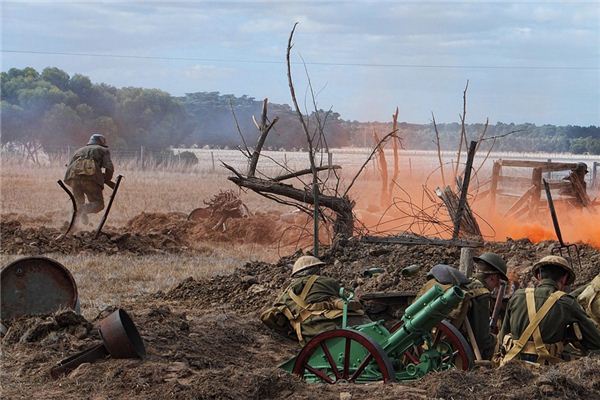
column 35, row 286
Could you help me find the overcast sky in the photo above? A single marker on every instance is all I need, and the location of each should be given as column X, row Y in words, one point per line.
column 525, row 61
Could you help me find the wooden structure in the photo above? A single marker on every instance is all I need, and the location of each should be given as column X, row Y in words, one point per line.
column 528, row 190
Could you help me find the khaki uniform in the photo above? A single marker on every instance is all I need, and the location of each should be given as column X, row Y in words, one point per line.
column 311, row 305
column 475, row 307
column 589, row 298
column 545, row 343
column 84, row 175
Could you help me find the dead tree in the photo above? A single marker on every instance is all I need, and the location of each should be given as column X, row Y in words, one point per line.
column 383, row 170
column 395, row 142
column 310, row 197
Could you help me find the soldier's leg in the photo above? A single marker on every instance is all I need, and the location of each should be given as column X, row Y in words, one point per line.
column 79, row 194
column 93, row 192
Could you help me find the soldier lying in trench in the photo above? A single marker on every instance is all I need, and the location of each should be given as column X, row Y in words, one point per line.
column 311, row 304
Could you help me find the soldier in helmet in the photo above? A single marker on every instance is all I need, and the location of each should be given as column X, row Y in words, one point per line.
column 84, row 175
column 472, row 316
column 311, row 304
column 578, row 187
column 539, row 322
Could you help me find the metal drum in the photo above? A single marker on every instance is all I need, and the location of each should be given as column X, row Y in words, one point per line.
column 35, row 286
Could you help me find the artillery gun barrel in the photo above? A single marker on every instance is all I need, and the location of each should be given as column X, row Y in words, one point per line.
column 423, row 317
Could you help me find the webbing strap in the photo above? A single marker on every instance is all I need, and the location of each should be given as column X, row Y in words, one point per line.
column 301, row 300
column 540, row 348
column 533, row 324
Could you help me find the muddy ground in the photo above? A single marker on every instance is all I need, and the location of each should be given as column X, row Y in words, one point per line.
column 205, row 341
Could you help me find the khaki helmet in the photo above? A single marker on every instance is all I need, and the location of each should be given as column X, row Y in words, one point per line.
column 493, row 260
column 98, row 139
column 306, row 262
column 557, row 261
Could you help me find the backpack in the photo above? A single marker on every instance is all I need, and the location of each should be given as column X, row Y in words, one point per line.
column 590, row 299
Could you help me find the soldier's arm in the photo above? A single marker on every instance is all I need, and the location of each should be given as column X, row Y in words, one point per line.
column 479, row 317
column 107, row 164
column 590, row 334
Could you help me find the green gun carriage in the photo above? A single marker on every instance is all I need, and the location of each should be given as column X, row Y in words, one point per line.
column 423, row 341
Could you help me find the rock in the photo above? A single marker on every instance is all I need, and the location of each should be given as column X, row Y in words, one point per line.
column 80, row 370
column 345, row 396
column 257, row 289
column 249, row 280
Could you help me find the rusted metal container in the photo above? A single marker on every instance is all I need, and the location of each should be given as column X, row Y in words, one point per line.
column 120, row 336
column 35, row 286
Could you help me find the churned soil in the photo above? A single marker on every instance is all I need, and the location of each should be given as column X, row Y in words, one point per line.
column 204, row 339
column 146, row 233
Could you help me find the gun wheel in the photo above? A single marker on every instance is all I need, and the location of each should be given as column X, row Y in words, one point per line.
column 343, row 355
column 449, row 342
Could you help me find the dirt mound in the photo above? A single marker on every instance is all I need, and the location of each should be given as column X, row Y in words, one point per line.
column 573, row 380
column 260, row 228
column 173, row 223
column 255, row 285
column 15, row 239
column 216, row 354
column 63, row 326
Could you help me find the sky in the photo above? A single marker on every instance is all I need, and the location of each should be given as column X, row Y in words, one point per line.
column 526, row 61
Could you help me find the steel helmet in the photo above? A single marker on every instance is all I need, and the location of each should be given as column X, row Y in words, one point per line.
column 305, row 262
column 556, row 261
column 493, row 260
column 98, row 139
column 581, row 166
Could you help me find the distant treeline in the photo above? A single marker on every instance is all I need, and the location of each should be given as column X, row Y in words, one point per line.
column 53, row 109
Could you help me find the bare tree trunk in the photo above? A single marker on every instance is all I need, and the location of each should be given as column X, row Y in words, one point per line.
column 439, row 152
column 383, row 200
column 463, row 133
column 395, row 141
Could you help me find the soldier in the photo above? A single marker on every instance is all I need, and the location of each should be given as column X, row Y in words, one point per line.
column 84, row 175
column 539, row 322
column 588, row 296
column 472, row 316
column 311, row 304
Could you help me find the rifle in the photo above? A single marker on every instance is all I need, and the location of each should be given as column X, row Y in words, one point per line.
column 497, row 306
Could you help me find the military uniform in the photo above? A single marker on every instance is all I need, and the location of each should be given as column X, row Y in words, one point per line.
column 476, row 308
column 84, row 175
column 545, row 343
column 589, row 298
column 312, row 305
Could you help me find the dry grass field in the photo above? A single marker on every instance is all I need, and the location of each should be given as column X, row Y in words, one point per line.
column 203, row 335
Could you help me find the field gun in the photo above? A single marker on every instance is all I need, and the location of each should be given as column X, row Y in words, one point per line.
column 420, row 343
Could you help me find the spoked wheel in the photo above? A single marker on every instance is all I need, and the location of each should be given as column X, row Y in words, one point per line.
column 449, row 342
column 343, row 355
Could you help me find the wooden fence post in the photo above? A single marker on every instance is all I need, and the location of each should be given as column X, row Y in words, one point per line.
column 494, row 184
column 594, row 174
column 212, row 157
column 466, row 261
column 142, row 157
column 536, row 180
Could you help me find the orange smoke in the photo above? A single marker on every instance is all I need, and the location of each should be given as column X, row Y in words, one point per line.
column 577, row 225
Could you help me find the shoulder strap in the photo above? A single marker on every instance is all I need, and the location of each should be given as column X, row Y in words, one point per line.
column 533, row 322
column 301, row 300
column 540, row 348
